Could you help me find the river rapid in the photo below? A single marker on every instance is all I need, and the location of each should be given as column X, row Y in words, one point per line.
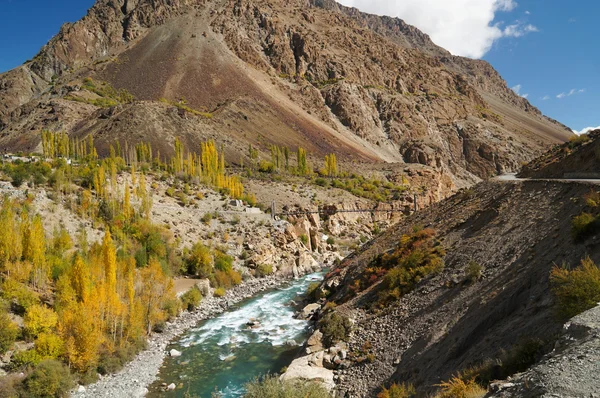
column 256, row 337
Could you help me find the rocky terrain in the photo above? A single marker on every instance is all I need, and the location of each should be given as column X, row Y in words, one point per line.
column 307, row 73
column 577, row 158
column 571, row 370
column 514, row 233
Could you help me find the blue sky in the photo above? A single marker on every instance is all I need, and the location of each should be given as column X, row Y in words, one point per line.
column 542, row 48
column 562, row 56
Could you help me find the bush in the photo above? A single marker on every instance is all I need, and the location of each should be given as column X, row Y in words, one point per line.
column 219, row 292
column 304, row 239
column 330, row 241
column 335, row 328
column 226, row 279
column 10, row 385
column 266, row 167
column 49, row 379
column 264, row 270
column 397, row 391
column 473, row 271
column 49, row 346
column 39, row 319
column 583, row 225
column 312, row 289
column 207, row 218
column 191, row 299
column 8, row 332
column 223, row 262
column 417, row 256
column 576, row 290
column 272, row 387
column 458, row 388
column 199, row 261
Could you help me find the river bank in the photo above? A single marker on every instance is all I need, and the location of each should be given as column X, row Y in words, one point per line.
column 133, row 380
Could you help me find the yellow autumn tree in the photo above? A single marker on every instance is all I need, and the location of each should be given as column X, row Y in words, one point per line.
column 10, row 238
column 156, row 289
column 34, row 250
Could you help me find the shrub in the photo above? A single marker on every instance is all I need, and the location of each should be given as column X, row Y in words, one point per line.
column 8, row 331
column 264, row 270
column 266, row 167
column 39, row 319
column 473, row 271
column 207, row 218
column 191, row 299
column 576, row 290
column 49, row 379
column 304, row 239
column 10, row 385
column 219, row 292
column 330, row 241
column 49, row 346
column 24, row 359
column 226, row 279
column 272, row 387
column 417, row 256
column 199, row 261
column 397, row 391
column 583, row 225
column 458, row 388
column 18, row 292
column 592, row 198
column 335, row 328
column 223, row 262
column 312, row 289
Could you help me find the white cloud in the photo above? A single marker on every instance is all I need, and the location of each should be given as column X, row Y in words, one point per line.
column 464, row 27
column 518, row 29
column 586, row 130
column 546, row 98
column 571, row 92
column 572, row 20
column 517, row 90
column 527, row 12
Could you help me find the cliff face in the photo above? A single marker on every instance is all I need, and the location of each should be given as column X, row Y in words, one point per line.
column 308, row 73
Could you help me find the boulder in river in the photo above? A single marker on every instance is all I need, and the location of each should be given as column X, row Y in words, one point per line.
column 175, row 353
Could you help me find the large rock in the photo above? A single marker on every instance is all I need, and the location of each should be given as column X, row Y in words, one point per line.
column 204, row 287
column 316, row 339
column 175, row 353
column 306, row 263
column 301, row 368
column 310, row 309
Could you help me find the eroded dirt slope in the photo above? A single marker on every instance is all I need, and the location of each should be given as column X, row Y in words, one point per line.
column 517, row 231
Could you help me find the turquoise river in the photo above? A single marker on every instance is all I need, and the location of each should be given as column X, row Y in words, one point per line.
column 223, row 353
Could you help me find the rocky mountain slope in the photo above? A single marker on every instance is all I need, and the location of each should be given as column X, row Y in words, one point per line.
column 577, row 158
column 499, row 241
column 571, row 370
column 307, row 73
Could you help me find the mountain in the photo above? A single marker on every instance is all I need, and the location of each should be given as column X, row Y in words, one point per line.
column 464, row 288
column 308, row 73
column 577, row 158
